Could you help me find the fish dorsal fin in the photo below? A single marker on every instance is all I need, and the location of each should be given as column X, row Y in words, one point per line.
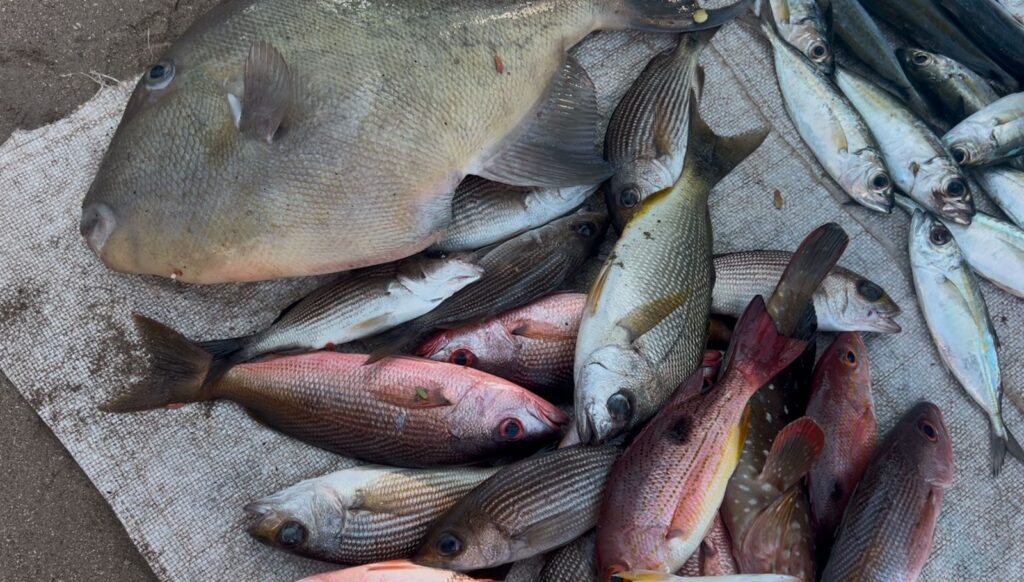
column 417, row 397
column 795, row 449
column 268, row 92
column 557, row 145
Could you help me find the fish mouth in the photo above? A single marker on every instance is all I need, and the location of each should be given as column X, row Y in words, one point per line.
column 878, row 203
column 885, row 324
column 957, row 211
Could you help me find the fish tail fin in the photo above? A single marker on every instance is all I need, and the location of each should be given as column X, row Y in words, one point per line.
column 669, row 15
column 713, row 155
column 791, row 304
column 1002, row 441
column 757, row 350
column 178, row 373
column 225, row 353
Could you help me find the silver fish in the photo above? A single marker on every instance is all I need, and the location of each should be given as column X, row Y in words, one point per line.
column 645, row 322
column 960, row 90
column 958, row 320
column 357, row 305
column 362, row 514
column 917, row 161
column 845, row 301
column 831, row 127
column 486, row 212
column 995, row 133
column 646, row 138
column 803, row 25
column 1005, row 186
column 993, row 248
column 281, row 138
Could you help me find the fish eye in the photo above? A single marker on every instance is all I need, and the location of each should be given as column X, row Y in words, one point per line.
column 291, row 534
column 511, row 429
column 921, row 59
column 159, row 75
column 880, row 181
column 940, row 235
column 956, row 188
column 448, row 544
column 818, row 51
column 869, row 290
column 629, row 198
column 850, row 358
column 463, row 357
column 586, row 229
column 620, row 407
column 928, row 430
column 960, row 155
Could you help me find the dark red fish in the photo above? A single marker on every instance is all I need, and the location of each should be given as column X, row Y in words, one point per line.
column 841, row 404
column 714, row 556
column 889, row 524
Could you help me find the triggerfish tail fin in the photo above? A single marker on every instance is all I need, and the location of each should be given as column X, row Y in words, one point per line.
column 178, row 373
column 1001, row 442
column 791, row 305
column 669, row 15
column 794, row 451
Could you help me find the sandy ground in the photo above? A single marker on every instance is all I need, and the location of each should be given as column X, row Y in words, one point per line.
column 55, row 525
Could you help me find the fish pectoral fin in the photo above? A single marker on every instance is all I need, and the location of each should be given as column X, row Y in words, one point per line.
column 268, row 92
column 541, row 533
column 794, row 451
column 543, row 330
column 767, row 533
column 373, row 322
column 558, row 145
column 646, row 317
column 417, row 397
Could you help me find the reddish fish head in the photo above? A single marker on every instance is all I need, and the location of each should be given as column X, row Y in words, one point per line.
column 923, row 437
column 470, row 346
column 505, row 416
column 845, row 365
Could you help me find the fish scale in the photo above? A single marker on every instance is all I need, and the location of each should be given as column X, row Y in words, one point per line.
column 524, row 509
column 887, row 529
column 574, row 562
column 334, row 401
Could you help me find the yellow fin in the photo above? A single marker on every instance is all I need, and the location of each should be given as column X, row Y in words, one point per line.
column 647, row 316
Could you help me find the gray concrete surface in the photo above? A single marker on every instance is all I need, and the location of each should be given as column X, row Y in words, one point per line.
column 54, row 524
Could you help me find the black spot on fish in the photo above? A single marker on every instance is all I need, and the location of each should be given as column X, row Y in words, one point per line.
column 680, row 431
column 837, row 492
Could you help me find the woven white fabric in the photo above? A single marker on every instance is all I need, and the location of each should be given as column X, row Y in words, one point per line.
column 178, row 479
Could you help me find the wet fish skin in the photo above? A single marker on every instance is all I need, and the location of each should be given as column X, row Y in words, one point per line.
column 927, row 23
column 1014, row 7
column 959, row 323
column 1005, row 187
column 360, row 515
column 646, row 138
column 992, row 134
column 403, row 412
column 960, row 90
column 646, row 576
column 887, row 531
column 845, row 301
column 575, row 562
column 993, row 248
column 830, row 126
column 270, row 180
column 354, row 306
column 860, row 33
column 802, row 24
column 533, row 345
column 486, row 212
column 393, row 570
column 748, row 494
column 714, row 556
column 917, row 160
column 993, row 27
column 645, row 322
column 524, row 509
column 666, row 489
column 842, row 405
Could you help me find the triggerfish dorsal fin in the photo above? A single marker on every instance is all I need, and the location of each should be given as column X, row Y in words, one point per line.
column 268, row 92
column 794, row 451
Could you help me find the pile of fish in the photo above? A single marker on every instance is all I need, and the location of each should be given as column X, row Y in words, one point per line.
column 469, row 170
